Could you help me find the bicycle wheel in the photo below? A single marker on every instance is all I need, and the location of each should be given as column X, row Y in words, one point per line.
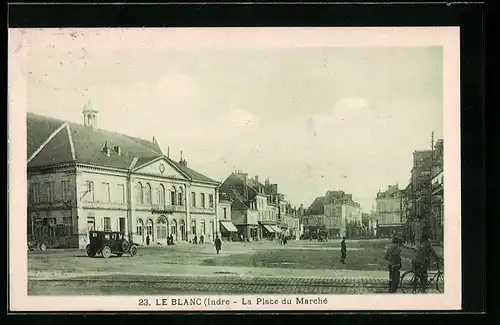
column 407, row 282
column 440, row 282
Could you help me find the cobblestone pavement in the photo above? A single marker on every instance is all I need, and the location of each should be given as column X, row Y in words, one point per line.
column 150, row 285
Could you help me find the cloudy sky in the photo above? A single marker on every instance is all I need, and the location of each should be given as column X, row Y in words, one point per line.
column 309, row 118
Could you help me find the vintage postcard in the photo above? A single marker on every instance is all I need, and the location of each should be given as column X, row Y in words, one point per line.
column 225, row 169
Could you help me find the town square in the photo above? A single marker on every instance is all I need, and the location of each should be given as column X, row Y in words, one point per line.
column 236, row 170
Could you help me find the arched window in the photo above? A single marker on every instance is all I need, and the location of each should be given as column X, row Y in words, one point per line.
column 140, row 193
column 140, row 224
column 173, row 195
column 148, row 194
column 161, row 228
column 180, row 196
column 161, row 195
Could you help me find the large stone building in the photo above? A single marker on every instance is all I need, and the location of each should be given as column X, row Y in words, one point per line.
column 437, row 217
column 82, row 178
column 418, row 196
column 336, row 213
column 389, row 216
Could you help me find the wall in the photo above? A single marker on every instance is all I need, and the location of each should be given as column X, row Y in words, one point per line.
column 61, row 206
column 224, row 205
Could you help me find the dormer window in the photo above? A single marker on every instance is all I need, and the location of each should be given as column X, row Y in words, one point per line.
column 106, row 149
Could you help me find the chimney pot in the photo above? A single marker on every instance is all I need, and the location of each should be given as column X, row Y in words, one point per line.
column 118, row 150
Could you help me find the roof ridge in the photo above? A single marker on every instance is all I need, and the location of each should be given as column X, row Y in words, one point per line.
column 71, row 143
column 47, row 140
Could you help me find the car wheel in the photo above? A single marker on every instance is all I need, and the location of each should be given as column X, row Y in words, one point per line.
column 133, row 250
column 125, row 246
column 119, row 254
column 106, row 252
column 90, row 251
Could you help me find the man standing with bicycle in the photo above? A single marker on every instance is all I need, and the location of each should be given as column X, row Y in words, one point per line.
column 393, row 255
column 422, row 260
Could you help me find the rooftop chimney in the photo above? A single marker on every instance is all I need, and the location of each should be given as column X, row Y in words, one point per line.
column 256, row 178
column 245, row 185
column 118, row 150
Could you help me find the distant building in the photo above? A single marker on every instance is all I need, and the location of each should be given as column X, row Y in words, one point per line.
column 335, row 213
column 227, row 229
column 258, row 210
column 437, row 220
column 83, row 178
column 389, row 214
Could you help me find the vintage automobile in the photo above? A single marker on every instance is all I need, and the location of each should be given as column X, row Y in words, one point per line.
column 36, row 244
column 109, row 242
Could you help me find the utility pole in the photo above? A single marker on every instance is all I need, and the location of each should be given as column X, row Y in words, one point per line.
column 430, row 186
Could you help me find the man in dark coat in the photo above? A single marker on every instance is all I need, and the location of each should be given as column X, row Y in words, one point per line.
column 217, row 244
column 393, row 256
column 343, row 250
column 422, row 260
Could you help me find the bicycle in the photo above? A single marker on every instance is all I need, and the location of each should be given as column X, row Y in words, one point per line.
column 409, row 281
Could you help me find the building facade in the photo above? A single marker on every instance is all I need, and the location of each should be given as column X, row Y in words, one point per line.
column 339, row 213
column 389, row 215
column 82, row 178
column 437, row 220
column 258, row 210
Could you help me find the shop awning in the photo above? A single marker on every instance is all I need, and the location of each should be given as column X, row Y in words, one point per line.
column 276, row 228
column 269, row 228
column 228, row 225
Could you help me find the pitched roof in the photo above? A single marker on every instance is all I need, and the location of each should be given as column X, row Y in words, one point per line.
column 88, row 144
column 318, row 206
column 192, row 173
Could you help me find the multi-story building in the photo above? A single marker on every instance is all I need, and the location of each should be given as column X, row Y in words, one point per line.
column 339, row 214
column 227, row 228
column 437, row 225
column 418, row 196
column 389, row 214
column 82, row 178
column 258, row 210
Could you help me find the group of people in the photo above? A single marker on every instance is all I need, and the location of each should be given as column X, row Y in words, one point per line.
column 200, row 241
column 420, row 263
column 283, row 239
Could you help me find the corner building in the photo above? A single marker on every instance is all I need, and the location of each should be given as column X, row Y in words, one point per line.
column 82, row 178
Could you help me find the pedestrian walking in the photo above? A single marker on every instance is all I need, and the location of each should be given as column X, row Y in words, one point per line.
column 217, row 244
column 343, row 250
column 202, row 239
column 393, row 256
column 195, row 239
column 147, row 240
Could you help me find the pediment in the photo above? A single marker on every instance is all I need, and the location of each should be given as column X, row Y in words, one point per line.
column 160, row 167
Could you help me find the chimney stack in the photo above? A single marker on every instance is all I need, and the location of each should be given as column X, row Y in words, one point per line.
column 256, row 178
column 118, row 150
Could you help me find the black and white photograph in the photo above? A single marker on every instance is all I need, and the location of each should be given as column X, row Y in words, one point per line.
column 234, row 168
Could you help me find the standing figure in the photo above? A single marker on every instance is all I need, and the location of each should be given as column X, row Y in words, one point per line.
column 217, row 244
column 147, row 240
column 422, row 260
column 393, row 256
column 202, row 239
column 343, row 250
column 195, row 239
